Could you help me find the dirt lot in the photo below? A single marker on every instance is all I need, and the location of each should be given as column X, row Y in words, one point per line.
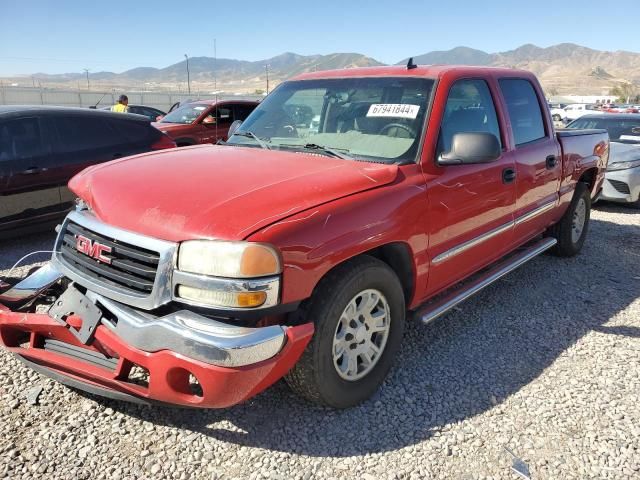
column 546, row 363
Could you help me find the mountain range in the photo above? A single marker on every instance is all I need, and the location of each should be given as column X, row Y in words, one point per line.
column 563, row 69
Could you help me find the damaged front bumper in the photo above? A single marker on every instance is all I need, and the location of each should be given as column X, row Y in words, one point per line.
column 180, row 358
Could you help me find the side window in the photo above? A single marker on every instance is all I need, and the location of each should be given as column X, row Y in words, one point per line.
column 77, row 133
column 240, row 112
column 469, row 108
column 524, row 110
column 21, row 139
column 224, row 115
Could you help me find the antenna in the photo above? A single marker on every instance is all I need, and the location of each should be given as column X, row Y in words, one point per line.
column 410, row 64
column 215, row 66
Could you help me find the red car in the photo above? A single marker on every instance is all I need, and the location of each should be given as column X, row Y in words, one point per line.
column 348, row 203
column 203, row 121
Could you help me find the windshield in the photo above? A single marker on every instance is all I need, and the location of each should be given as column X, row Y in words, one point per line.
column 379, row 119
column 186, row 114
column 625, row 130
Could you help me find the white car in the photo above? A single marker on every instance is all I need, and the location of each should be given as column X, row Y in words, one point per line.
column 557, row 114
column 577, row 110
column 622, row 178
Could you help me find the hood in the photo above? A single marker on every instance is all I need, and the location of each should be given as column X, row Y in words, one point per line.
column 623, row 152
column 213, row 191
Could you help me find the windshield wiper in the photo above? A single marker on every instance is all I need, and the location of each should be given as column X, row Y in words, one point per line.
column 252, row 135
column 332, row 152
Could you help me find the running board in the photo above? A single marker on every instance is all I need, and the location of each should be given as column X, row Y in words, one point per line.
column 446, row 301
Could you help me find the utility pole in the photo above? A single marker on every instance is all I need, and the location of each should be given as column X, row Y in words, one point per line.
column 86, row 71
column 215, row 66
column 188, row 75
column 266, row 69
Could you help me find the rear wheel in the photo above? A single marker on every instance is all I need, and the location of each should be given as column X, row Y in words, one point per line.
column 358, row 311
column 572, row 228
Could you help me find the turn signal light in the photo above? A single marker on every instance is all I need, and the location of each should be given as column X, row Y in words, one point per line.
column 222, row 299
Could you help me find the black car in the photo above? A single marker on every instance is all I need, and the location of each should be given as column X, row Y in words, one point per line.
column 41, row 148
column 151, row 113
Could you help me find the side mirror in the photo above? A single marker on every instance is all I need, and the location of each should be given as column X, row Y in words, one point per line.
column 472, row 147
column 209, row 120
column 234, row 126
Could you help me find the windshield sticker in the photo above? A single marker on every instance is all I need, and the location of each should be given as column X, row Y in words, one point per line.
column 199, row 108
column 396, row 110
column 635, row 138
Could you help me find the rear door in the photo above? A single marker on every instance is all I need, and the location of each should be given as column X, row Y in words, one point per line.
column 28, row 188
column 537, row 155
column 471, row 206
column 85, row 140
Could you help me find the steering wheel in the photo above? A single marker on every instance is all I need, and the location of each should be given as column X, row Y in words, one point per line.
column 291, row 131
column 401, row 126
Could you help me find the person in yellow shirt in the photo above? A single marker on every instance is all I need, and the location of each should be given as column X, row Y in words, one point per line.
column 121, row 106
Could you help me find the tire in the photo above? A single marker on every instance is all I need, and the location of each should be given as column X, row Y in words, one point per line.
column 316, row 376
column 556, row 118
column 566, row 230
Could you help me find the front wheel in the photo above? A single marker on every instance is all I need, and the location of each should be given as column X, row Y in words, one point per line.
column 572, row 228
column 358, row 311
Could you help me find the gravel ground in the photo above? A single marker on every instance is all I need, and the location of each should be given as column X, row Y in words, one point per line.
column 545, row 362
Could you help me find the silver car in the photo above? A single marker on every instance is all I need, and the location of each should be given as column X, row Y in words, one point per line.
column 622, row 178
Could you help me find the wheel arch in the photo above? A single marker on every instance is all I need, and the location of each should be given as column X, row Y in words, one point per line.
column 590, row 178
column 397, row 255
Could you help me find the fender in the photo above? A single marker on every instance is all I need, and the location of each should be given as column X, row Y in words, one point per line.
column 314, row 241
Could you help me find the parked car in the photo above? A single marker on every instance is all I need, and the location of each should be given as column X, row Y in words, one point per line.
column 576, row 110
column 41, row 148
column 151, row 113
column 203, row 121
column 622, row 109
column 300, row 247
column 557, row 111
column 622, row 178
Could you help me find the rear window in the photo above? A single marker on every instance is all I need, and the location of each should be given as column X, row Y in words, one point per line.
column 133, row 132
column 626, row 130
column 82, row 133
column 524, row 110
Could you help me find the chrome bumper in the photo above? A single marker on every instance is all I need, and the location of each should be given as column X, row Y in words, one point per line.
column 184, row 332
column 192, row 335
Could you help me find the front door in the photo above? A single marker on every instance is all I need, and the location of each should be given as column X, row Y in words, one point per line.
column 470, row 206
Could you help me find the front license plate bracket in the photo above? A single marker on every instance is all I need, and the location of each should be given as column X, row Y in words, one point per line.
column 74, row 302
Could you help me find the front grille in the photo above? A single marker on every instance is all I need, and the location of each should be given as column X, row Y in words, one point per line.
column 620, row 186
column 132, row 268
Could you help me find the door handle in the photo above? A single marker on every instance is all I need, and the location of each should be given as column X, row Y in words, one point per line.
column 33, row 171
column 508, row 175
column 552, row 161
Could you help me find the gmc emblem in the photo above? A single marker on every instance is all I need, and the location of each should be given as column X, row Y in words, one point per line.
column 93, row 249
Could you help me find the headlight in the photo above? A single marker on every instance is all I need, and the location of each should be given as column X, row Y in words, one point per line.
column 623, row 165
column 228, row 259
column 227, row 275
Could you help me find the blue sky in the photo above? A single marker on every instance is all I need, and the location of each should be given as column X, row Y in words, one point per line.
column 68, row 36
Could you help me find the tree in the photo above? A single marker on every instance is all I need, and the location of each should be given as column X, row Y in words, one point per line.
column 625, row 92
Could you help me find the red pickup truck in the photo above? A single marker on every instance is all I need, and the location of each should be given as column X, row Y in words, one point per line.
column 346, row 204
